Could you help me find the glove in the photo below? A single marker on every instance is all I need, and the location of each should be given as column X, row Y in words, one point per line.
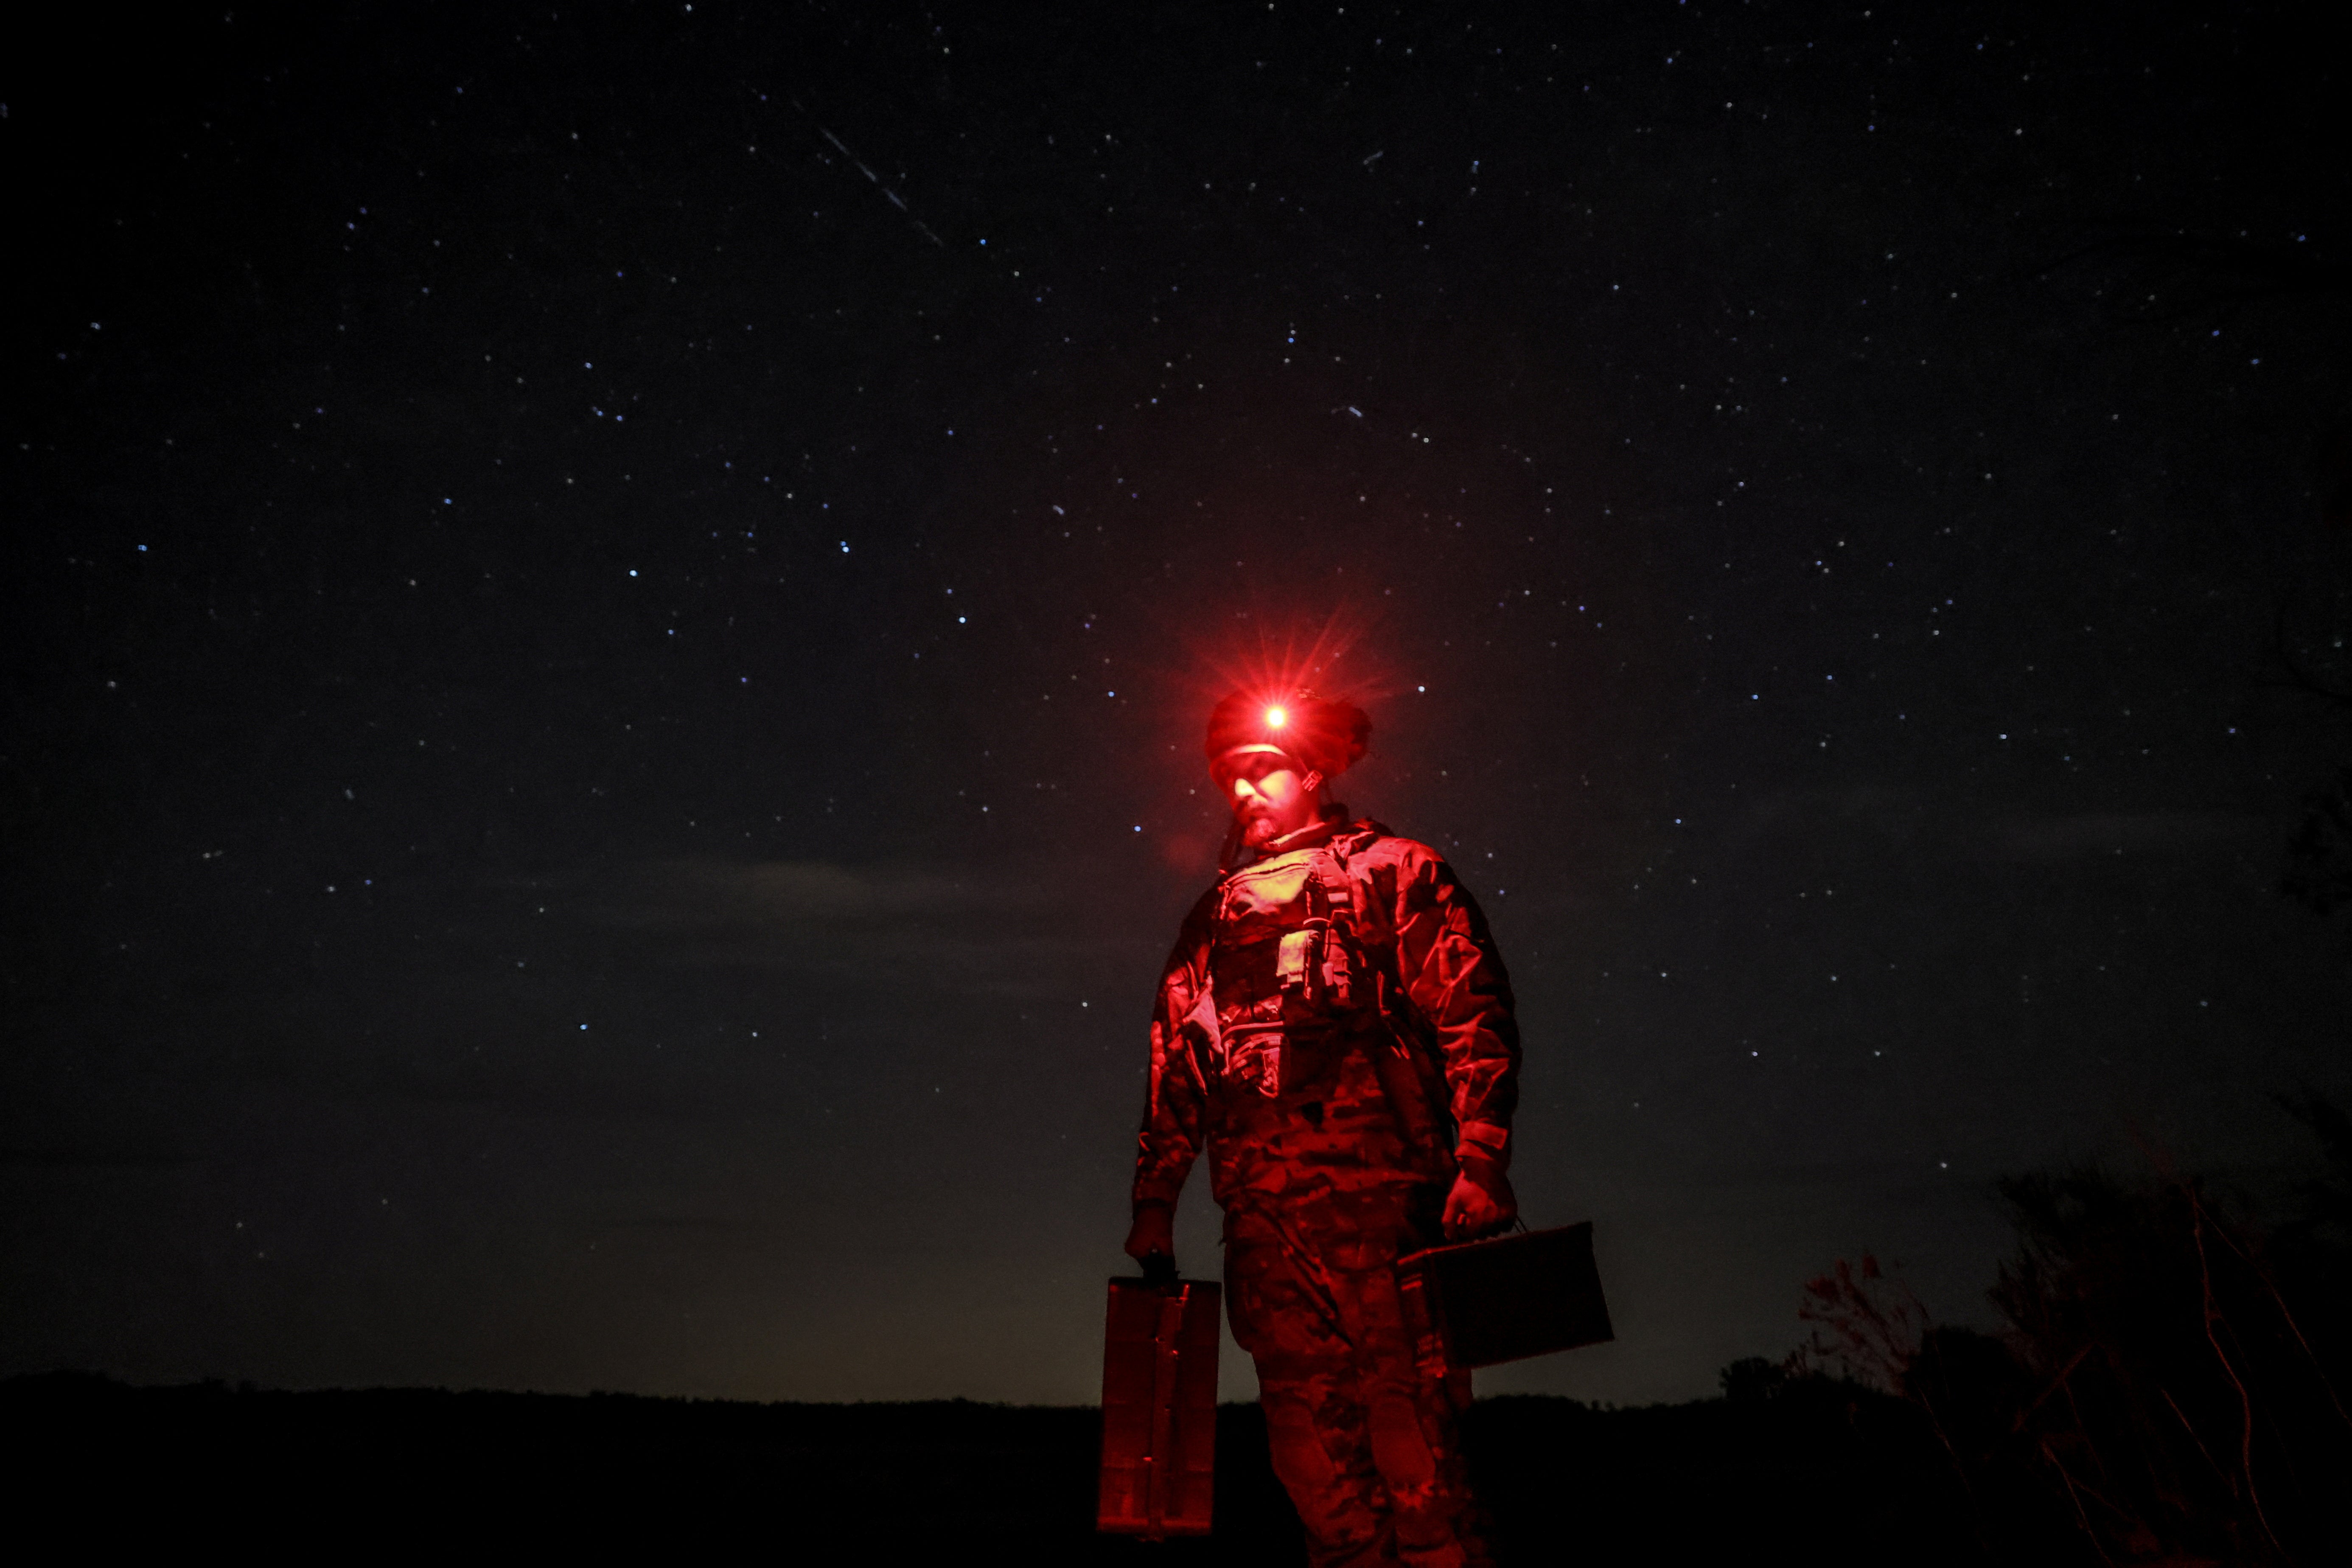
column 1481, row 1203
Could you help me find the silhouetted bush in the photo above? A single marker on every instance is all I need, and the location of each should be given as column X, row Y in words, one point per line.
column 2167, row 1390
column 2178, row 1398
column 1752, row 1380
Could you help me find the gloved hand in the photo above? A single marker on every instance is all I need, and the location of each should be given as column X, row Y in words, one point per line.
column 1153, row 1233
column 1481, row 1203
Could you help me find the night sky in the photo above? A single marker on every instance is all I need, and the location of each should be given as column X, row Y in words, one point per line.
column 609, row 610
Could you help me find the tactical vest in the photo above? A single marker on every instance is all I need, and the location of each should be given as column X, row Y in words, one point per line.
column 1287, row 971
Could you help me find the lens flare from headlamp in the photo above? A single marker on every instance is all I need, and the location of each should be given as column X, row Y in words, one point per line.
column 1319, row 734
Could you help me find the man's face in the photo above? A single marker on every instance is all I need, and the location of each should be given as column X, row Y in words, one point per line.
column 1270, row 795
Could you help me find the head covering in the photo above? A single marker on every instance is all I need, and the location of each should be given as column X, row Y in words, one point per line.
column 1328, row 737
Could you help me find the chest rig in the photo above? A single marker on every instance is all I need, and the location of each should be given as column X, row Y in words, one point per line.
column 1288, row 969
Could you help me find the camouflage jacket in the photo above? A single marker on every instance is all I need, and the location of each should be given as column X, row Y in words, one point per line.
column 1334, row 1019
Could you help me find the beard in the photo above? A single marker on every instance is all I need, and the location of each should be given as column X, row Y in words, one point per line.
column 1259, row 829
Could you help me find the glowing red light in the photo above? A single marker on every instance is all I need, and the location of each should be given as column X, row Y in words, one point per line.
column 1276, row 718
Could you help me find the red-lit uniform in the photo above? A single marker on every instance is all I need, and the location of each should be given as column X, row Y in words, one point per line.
column 1335, row 1030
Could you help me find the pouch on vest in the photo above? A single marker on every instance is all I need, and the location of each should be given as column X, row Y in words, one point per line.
column 1316, row 965
column 1160, row 1408
column 1299, row 967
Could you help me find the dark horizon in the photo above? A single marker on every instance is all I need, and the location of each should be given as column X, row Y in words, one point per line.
column 611, row 616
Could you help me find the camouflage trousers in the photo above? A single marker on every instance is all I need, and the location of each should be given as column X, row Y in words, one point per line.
column 1364, row 1441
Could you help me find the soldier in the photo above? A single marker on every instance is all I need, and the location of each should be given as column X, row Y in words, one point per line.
column 1335, row 1028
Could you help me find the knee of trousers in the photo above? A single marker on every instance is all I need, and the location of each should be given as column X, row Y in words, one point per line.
column 1317, row 1453
column 1404, row 1450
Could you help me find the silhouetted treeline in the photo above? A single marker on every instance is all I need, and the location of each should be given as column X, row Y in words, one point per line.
column 1838, row 1473
column 2167, row 1389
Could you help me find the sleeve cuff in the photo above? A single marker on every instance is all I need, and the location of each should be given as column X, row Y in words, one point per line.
column 1484, row 1141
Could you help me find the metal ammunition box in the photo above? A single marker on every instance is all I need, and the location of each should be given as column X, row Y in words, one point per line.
column 1516, row 1296
column 1160, row 1409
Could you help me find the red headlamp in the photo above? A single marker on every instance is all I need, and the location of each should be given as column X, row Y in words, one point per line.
column 1320, row 734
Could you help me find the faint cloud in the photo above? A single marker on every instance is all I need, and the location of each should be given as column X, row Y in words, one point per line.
column 896, row 925
column 1898, row 818
column 70, row 1159
column 821, row 889
column 1892, row 815
column 2047, row 838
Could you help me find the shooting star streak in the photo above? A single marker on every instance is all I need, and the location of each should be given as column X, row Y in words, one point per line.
column 843, row 148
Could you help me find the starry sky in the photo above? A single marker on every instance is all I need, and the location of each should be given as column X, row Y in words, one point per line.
column 608, row 612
